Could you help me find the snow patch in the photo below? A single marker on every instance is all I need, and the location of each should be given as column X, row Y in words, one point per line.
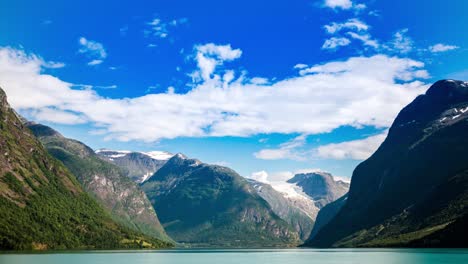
column 289, row 190
column 146, row 176
column 158, row 155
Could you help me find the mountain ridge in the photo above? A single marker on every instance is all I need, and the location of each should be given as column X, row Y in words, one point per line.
column 391, row 198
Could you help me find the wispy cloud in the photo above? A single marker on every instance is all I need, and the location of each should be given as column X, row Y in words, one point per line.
column 343, row 4
column 442, row 48
column 160, row 29
column 356, row 149
column 402, row 42
column 365, row 38
column 353, row 24
column 92, row 49
column 288, row 150
column 334, row 42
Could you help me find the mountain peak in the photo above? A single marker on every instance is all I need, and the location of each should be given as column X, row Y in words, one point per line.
column 311, row 175
column 180, row 156
column 40, row 130
column 449, row 90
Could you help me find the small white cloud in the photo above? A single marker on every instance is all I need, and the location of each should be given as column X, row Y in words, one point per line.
column 343, row 4
column 92, row 49
column 300, row 66
column 95, row 62
column 365, row 38
column 160, row 29
column 442, row 47
column 123, row 30
column 54, row 65
column 401, row 42
column 287, row 150
column 260, row 176
column 333, row 43
column 209, row 56
column 353, row 24
column 356, row 149
column 106, row 86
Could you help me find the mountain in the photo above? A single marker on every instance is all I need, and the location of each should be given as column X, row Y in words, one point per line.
column 209, row 205
column 297, row 210
column 413, row 191
column 326, row 214
column 138, row 165
column 42, row 205
column 320, row 186
column 108, row 183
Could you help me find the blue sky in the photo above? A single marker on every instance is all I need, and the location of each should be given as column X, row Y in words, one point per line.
column 279, row 86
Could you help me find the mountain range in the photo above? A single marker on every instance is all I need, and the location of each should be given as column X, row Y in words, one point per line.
column 413, row 191
column 58, row 193
column 43, row 206
column 108, row 183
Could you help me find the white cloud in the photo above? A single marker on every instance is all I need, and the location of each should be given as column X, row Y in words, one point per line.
column 442, row 47
column 356, row 149
column 287, row 150
column 343, row 4
column 334, row 42
column 58, row 116
column 260, row 176
column 353, row 24
column 209, row 56
column 92, row 49
column 160, row 29
column 359, row 91
column 365, row 38
column 95, row 62
column 53, row 65
column 300, row 66
column 402, row 42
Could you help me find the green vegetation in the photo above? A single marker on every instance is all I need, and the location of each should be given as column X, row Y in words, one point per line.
column 42, row 205
column 106, row 182
column 54, row 218
column 210, row 205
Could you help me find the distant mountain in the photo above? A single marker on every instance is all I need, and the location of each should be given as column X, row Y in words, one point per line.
column 42, row 205
column 320, row 186
column 139, row 165
column 297, row 210
column 209, row 205
column 413, row 191
column 108, row 183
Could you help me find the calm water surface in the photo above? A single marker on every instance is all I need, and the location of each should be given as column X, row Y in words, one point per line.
column 248, row 256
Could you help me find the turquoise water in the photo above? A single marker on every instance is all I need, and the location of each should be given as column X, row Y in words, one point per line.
column 283, row 256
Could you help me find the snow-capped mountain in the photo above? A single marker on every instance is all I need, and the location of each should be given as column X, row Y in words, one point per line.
column 299, row 199
column 139, row 165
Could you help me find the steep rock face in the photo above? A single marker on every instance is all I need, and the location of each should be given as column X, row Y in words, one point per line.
column 412, row 191
column 326, row 214
column 287, row 208
column 42, row 205
column 124, row 200
column 320, row 186
column 213, row 206
column 139, row 165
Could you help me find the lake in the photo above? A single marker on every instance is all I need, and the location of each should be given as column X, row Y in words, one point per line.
column 245, row 256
